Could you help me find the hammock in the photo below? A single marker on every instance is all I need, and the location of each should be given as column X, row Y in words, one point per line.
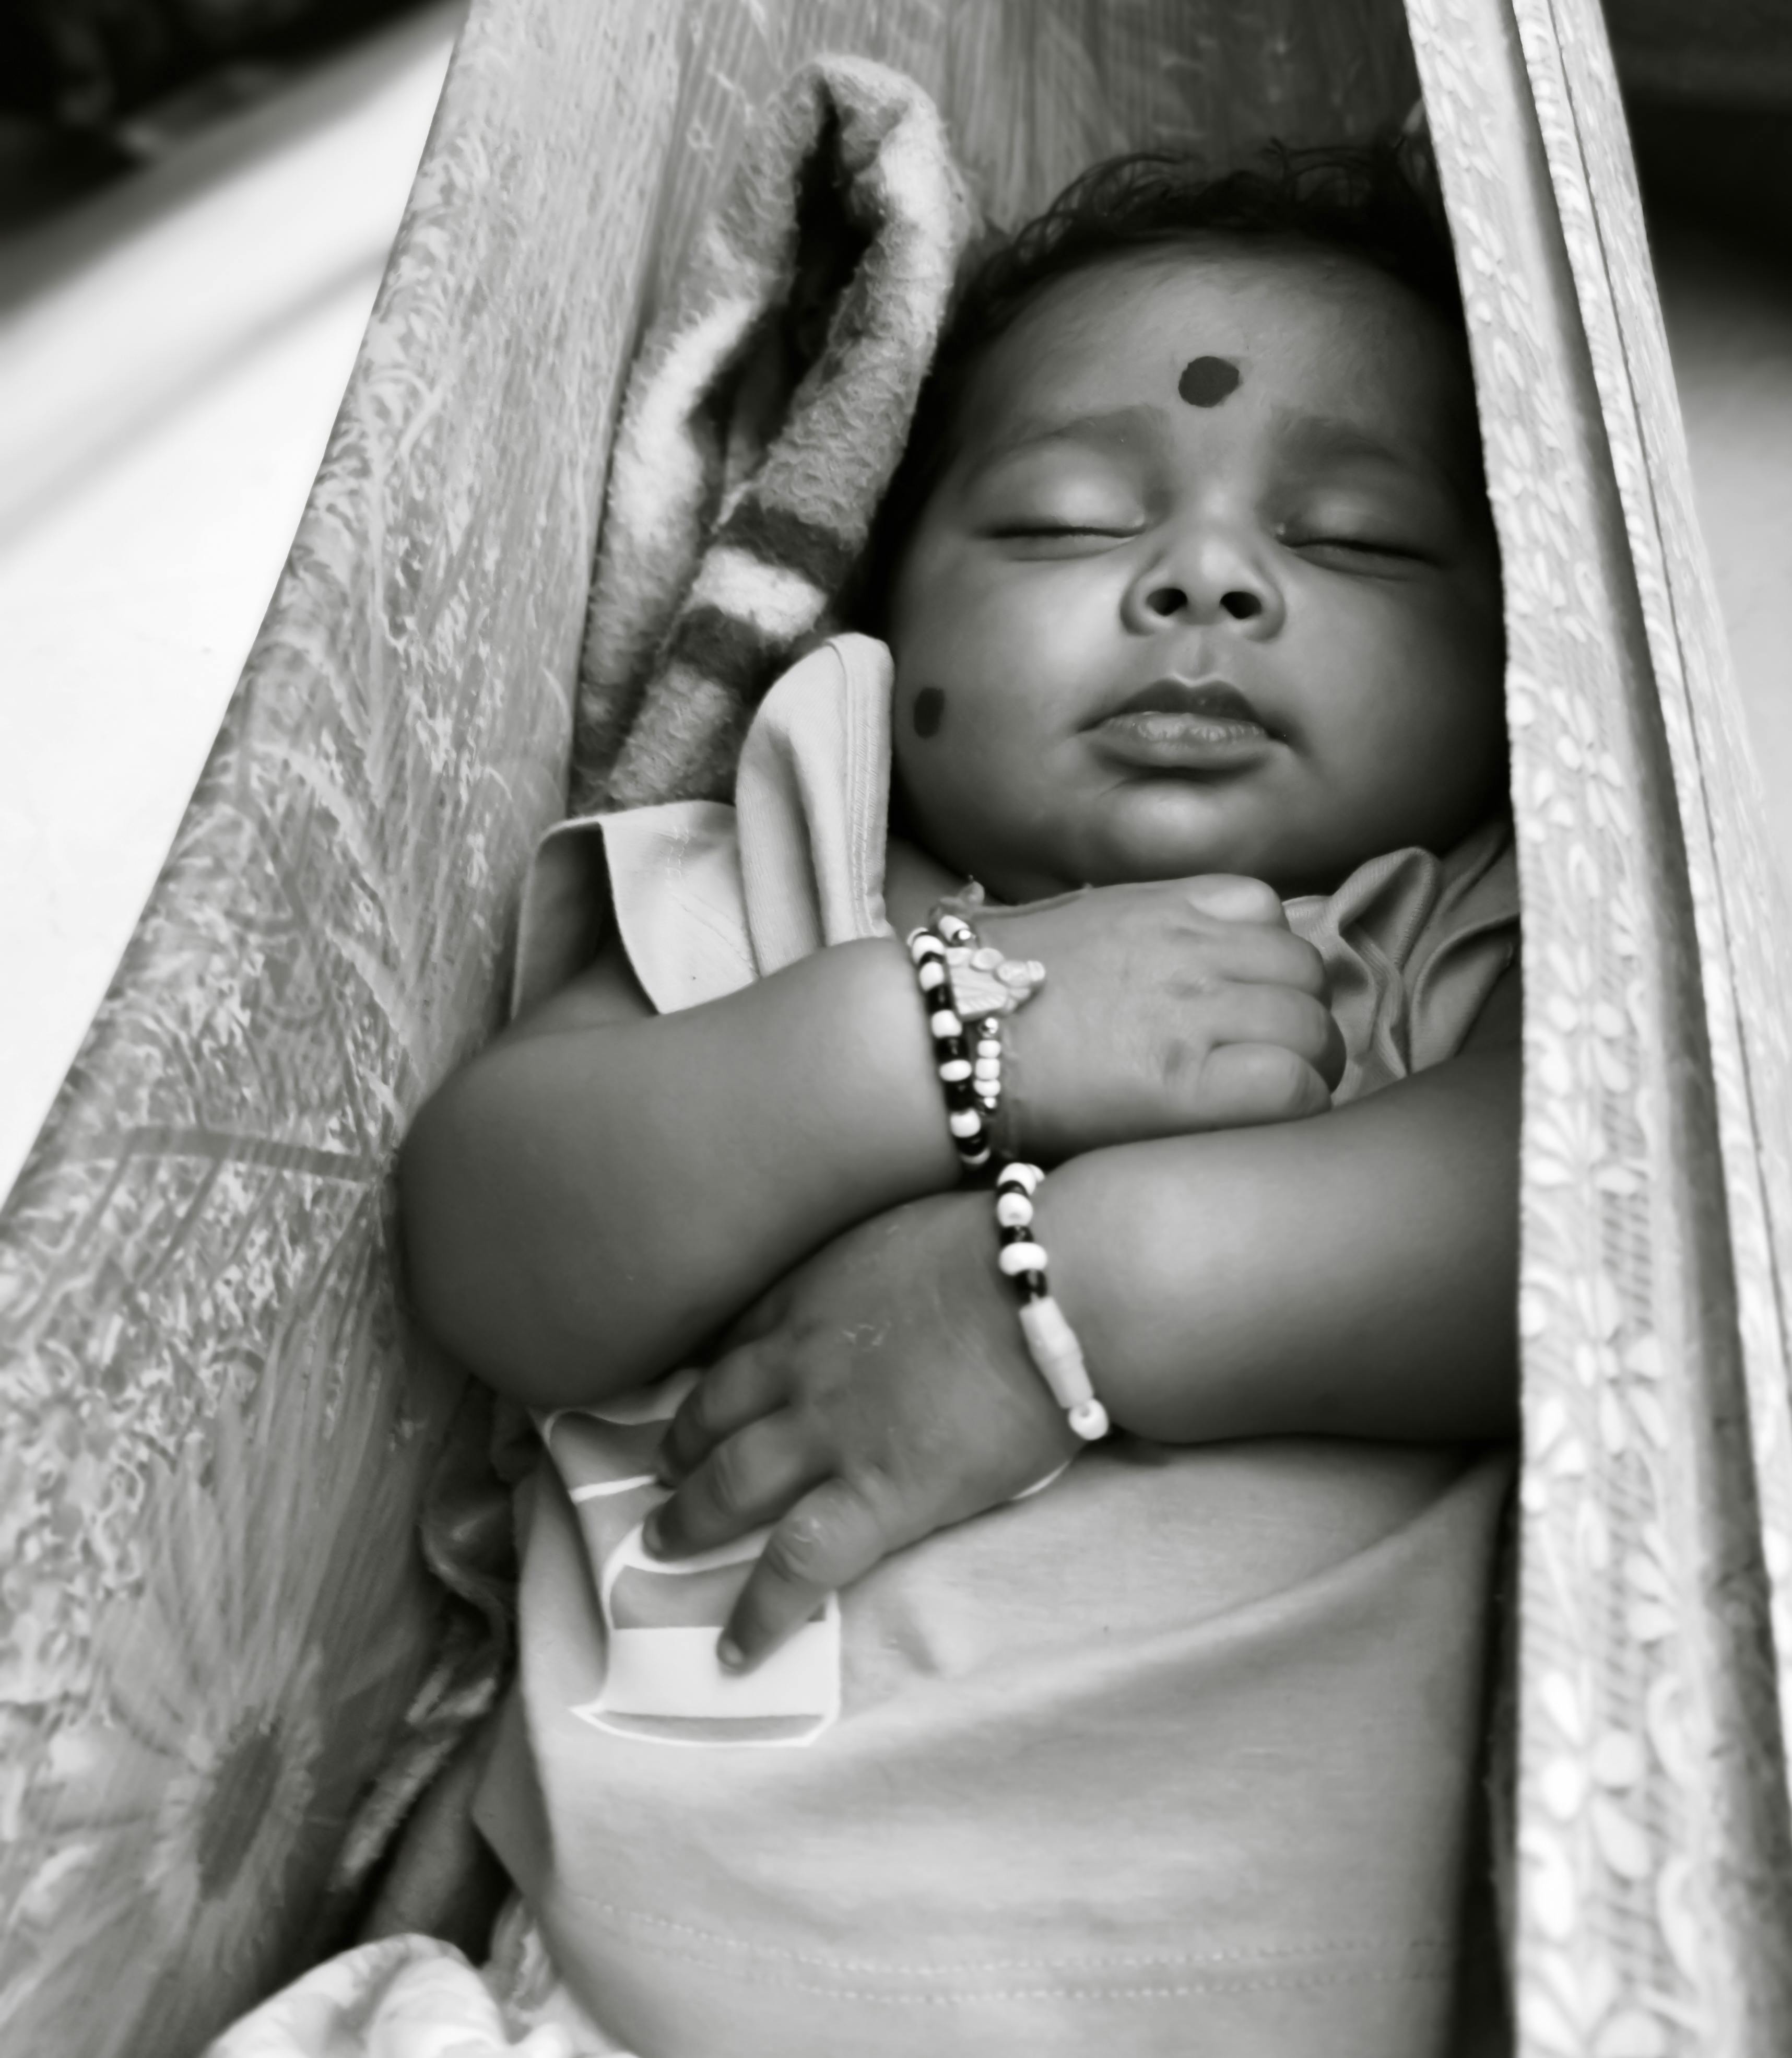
column 214, row 1448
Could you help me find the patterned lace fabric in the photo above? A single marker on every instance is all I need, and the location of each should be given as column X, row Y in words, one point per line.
column 1653, row 1873
column 213, row 1448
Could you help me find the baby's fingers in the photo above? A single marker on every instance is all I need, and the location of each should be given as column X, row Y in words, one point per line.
column 1244, row 1084
column 1274, row 1014
column 1231, row 897
column 736, row 1390
column 831, row 1537
column 746, row 1481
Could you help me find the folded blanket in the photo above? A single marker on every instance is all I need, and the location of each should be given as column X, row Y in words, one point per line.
column 764, row 417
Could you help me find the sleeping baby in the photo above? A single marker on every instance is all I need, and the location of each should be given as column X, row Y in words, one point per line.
column 871, row 1702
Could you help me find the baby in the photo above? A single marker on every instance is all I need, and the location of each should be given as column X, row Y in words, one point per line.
column 1190, row 656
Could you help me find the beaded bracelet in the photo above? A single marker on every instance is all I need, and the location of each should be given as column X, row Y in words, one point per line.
column 1051, row 1341
column 960, row 978
column 958, row 975
column 969, row 1114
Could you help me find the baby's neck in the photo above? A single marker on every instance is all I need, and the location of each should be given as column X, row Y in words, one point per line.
column 912, row 882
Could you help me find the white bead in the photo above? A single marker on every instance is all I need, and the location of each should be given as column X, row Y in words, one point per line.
column 989, row 1068
column 953, row 1070
column 1055, row 1349
column 965, row 1122
column 1089, row 1420
column 989, row 1046
column 1013, row 1210
column 931, row 975
column 1015, row 1258
column 923, row 943
column 1024, row 1177
column 945, row 1023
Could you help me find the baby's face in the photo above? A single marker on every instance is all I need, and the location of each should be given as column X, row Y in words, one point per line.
column 1209, row 585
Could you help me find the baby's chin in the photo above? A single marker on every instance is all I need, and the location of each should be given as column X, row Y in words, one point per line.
column 1141, row 831
column 1150, row 839
column 1295, row 871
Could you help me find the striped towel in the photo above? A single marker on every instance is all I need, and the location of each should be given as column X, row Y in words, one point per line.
column 762, row 422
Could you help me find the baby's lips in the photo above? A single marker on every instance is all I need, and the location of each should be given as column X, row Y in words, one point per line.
column 1213, row 698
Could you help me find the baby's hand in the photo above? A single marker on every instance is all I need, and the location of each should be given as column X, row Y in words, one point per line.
column 880, row 1393
column 1173, row 1006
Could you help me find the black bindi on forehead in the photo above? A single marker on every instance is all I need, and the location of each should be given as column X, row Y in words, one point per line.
column 1205, row 381
column 929, row 710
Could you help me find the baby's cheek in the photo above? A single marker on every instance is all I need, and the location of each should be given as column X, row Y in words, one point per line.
column 960, row 771
column 1429, row 766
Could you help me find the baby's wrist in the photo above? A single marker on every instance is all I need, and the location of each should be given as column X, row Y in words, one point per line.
column 970, row 992
column 891, row 996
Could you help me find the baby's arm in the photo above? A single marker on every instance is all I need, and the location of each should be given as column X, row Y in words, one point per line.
column 1354, row 1275
column 572, row 1199
column 589, row 1201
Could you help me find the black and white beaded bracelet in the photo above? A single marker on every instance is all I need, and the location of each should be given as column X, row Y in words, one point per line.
column 1051, row 1343
column 948, row 961
column 971, row 1099
column 967, row 988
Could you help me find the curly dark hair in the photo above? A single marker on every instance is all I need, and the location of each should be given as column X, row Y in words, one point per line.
column 1366, row 201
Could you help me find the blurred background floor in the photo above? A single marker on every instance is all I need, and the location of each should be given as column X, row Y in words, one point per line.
column 173, row 346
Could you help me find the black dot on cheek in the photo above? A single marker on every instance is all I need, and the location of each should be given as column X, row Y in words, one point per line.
column 929, row 710
column 1205, row 381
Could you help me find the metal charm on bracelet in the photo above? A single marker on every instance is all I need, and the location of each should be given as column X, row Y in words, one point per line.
column 1051, row 1343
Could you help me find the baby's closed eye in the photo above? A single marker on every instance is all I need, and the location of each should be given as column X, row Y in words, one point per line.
column 1361, row 548
column 1056, row 494
column 1353, row 530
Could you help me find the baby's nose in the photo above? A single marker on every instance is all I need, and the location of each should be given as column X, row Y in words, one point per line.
column 1238, row 601
column 1207, row 572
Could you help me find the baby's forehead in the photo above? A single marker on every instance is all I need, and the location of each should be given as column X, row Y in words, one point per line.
column 1279, row 296
column 1295, row 277
column 1213, row 323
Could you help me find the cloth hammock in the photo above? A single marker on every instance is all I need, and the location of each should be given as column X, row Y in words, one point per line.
column 216, row 1440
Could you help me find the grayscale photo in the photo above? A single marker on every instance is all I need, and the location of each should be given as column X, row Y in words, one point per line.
column 895, row 1082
